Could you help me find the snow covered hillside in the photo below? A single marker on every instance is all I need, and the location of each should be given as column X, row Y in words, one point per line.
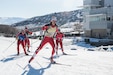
column 79, row 60
column 10, row 20
column 62, row 18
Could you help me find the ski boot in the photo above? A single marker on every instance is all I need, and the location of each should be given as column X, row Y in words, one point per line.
column 64, row 53
column 52, row 61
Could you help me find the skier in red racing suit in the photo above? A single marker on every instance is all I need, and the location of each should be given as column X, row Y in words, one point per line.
column 59, row 39
column 21, row 40
column 27, row 41
column 50, row 31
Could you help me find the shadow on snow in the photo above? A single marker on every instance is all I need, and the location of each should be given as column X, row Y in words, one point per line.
column 11, row 57
column 33, row 71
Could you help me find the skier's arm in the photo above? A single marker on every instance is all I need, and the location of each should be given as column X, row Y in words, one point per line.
column 30, row 32
column 44, row 28
column 17, row 36
column 55, row 34
column 63, row 36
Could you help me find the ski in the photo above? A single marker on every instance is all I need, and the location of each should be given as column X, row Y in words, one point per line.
column 24, row 66
column 28, row 65
column 57, row 63
column 57, row 56
column 20, row 66
column 70, row 54
column 60, row 64
column 39, row 64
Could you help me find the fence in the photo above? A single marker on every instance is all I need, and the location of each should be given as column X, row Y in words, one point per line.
column 108, row 48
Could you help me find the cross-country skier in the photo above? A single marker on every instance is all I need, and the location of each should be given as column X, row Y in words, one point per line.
column 21, row 40
column 59, row 39
column 27, row 41
column 50, row 31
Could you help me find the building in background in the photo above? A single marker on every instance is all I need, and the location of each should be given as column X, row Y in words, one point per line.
column 98, row 18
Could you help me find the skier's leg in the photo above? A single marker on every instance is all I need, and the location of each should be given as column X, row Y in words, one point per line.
column 24, row 48
column 61, row 45
column 44, row 41
column 28, row 45
column 57, row 47
column 25, row 42
column 53, row 49
column 18, row 44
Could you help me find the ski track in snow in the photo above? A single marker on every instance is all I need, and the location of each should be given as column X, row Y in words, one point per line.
column 82, row 62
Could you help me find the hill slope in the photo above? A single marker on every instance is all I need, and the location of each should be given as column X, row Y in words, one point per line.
column 10, row 20
column 62, row 18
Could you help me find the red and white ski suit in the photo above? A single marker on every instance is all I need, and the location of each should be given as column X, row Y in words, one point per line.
column 27, row 41
column 21, row 40
column 59, row 38
column 48, row 38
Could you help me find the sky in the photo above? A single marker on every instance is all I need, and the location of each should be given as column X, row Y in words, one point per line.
column 32, row 8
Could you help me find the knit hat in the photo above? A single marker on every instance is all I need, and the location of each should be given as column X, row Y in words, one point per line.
column 54, row 18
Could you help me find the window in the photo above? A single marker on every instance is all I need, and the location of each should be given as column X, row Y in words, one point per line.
column 98, row 17
column 101, row 3
column 108, row 18
column 112, row 18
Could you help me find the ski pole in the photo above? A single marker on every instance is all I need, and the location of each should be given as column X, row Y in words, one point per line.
column 39, row 64
column 6, row 50
column 9, row 46
column 34, row 42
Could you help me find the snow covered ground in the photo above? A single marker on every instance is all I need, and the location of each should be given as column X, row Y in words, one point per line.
column 78, row 62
